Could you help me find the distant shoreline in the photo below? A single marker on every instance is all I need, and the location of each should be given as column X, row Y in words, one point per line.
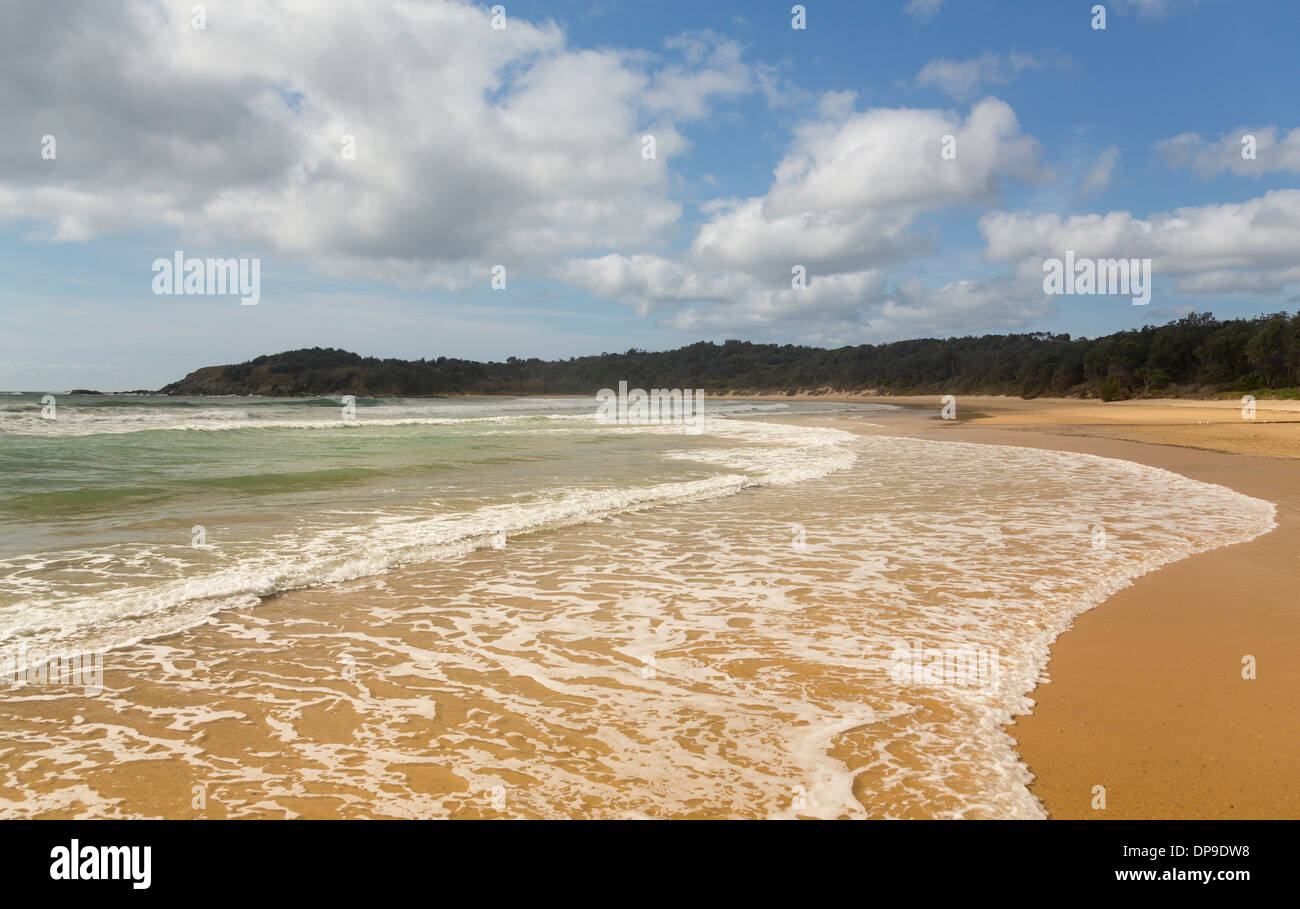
column 902, row 400
column 1197, row 355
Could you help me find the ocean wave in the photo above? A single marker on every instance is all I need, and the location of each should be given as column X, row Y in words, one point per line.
column 727, row 656
column 51, row 619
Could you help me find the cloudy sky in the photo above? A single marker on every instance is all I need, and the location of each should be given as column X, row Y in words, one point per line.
column 524, row 147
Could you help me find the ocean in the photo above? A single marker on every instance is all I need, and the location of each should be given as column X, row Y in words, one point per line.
column 480, row 607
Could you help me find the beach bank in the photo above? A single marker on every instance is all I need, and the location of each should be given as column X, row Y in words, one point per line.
column 1146, row 695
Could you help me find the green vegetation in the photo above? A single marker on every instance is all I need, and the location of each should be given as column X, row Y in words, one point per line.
column 1197, row 355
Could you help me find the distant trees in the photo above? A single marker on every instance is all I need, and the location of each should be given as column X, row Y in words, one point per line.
column 1197, row 354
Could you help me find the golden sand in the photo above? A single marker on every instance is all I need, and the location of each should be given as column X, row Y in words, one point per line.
column 1147, row 697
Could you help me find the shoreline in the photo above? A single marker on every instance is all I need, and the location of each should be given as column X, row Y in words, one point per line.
column 1143, row 697
column 1144, row 693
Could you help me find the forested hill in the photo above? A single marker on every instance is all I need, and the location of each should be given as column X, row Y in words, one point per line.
column 1196, row 355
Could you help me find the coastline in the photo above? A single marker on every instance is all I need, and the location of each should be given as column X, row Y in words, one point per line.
column 1143, row 697
column 1145, row 694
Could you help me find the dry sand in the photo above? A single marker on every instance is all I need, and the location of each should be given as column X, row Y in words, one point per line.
column 1147, row 696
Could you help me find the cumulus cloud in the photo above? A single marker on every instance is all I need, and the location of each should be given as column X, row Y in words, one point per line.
column 474, row 145
column 891, row 159
column 826, row 306
column 963, row 79
column 843, row 205
column 1274, row 149
column 477, row 146
column 959, row 307
column 644, row 280
column 1232, row 247
column 1228, row 281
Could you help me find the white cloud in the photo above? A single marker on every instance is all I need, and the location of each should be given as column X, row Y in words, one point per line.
column 1206, row 159
column 843, row 204
column 1227, row 281
column 712, row 68
column 891, row 159
column 645, row 280
column 478, row 147
column 1247, row 246
column 829, row 304
column 923, row 10
column 475, row 146
column 959, row 307
column 963, row 79
column 1099, row 175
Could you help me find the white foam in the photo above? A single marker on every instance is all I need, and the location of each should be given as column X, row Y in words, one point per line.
column 771, row 693
column 52, row 619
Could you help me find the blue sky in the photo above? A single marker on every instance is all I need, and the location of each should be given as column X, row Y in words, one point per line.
column 521, row 147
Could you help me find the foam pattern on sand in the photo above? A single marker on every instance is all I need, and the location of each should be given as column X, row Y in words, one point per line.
column 729, row 656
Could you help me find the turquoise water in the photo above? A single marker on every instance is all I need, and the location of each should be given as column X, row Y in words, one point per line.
column 123, row 517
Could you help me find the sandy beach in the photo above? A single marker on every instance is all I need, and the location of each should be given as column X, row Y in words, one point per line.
column 1146, row 695
column 696, row 660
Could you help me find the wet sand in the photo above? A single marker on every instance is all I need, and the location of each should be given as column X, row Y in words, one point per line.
column 1146, row 697
column 337, row 702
